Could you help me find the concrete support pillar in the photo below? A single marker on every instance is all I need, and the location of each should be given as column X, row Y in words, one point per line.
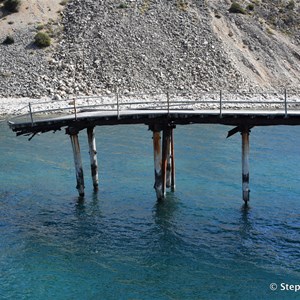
column 93, row 156
column 78, row 163
column 245, row 164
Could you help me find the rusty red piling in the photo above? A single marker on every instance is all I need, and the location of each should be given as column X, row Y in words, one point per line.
column 164, row 161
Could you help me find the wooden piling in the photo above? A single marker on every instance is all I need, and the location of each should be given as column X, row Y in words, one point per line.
column 93, row 156
column 164, row 161
column 169, row 148
column 169, row 163
column 78, row 163
column 168, row 145
column 245, row 164
column 173, row 184
column 157, row 164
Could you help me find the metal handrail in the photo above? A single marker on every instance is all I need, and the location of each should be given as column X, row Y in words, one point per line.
column 161, row 101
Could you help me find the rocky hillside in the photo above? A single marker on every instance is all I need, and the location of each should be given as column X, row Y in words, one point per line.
column 153, row 45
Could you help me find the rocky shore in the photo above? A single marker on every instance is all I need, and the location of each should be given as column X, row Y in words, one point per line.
column 143, row 45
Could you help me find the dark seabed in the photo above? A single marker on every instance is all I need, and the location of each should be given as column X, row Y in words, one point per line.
column 200, row 243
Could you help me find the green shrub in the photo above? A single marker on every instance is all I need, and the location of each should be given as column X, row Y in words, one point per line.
column 269, row 31
column 182, row 5
column 8, row 40
column 40, row 27
column 236, row 8
column 291, row 5
column 250, row 6
column 42, row 40
column 122, row 5
column 12, row 5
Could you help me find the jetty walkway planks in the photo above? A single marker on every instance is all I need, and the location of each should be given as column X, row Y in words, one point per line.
column 161, row 116
column 151, row 117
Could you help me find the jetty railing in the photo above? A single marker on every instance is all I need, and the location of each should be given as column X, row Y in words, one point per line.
column 214, row 102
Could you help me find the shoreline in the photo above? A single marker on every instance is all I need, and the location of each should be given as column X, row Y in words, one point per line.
column 12, row 107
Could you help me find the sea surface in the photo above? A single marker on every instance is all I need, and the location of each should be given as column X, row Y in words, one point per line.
column 120, row 243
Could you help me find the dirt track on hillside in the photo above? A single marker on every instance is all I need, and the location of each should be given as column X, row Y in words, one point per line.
column 32, row 12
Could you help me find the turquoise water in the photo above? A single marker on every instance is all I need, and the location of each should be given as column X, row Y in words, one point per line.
column 200, row 243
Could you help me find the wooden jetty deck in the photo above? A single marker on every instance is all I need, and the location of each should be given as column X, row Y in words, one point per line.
column 161, row 115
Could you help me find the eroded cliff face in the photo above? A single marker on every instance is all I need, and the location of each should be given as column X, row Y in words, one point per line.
column 154, row 45
column 265, row 49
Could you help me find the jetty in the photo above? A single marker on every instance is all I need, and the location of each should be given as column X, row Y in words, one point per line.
column 161, row 113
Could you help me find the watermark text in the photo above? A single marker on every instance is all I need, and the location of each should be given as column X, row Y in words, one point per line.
column 285, row 287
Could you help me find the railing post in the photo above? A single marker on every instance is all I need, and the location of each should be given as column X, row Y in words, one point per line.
column 285, row 103
column 30, row 112
column 220, row 104
column 168, row 102
column 75, row 110
column 118, row 111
